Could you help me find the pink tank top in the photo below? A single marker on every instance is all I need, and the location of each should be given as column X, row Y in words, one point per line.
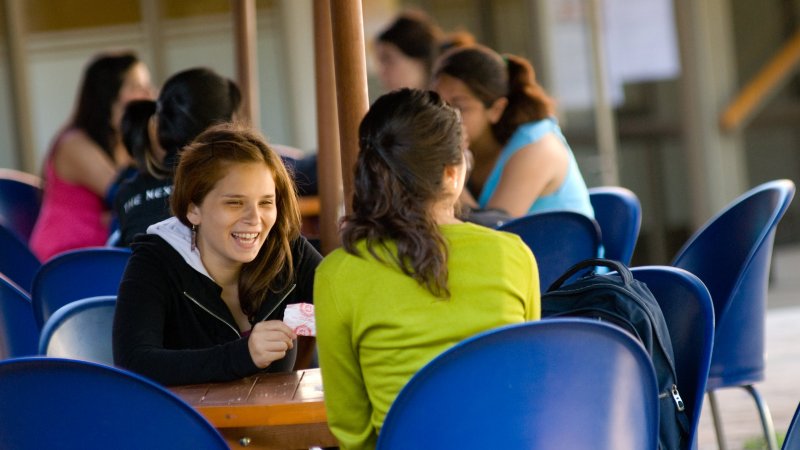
column 71, row 217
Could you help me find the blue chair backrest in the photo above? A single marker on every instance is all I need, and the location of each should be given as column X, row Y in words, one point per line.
column 560, row 383
column 60, row 403
column 689, row 314
column 558, row 240
column 20, row 199
column 17, row 262
column 619, row 213
column 792, row 440
column 731, row 254
column 18, row 331
column 74, row 275
column 81, row 330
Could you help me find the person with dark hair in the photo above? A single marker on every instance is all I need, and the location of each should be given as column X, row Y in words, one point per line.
column 522, row 162
column 431, row 280
column 189, row 102
column 408, row 47
column 134, row 130
column 406, row 51
column 202, row 296
column 85, row 156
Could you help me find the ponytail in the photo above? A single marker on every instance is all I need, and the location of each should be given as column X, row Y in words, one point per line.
column 406, row 140
column 527, row 100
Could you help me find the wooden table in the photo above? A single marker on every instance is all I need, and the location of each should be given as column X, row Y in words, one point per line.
column 269, row 411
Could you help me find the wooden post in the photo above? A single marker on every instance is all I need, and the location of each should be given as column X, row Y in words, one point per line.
column 351, row 84
column 244, row 27
column 761, row 88
column 329, row 166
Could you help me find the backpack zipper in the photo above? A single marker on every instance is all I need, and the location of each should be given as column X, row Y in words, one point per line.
column 212, row 314
column 676, row 396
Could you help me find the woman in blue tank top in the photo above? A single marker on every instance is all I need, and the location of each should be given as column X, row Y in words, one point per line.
column 523, row 164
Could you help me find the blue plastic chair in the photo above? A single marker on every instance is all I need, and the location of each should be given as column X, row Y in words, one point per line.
column 81, row 330
column 18, row 331
column 731, row 254
column 17, row 262
column 558, row 240
column 559, row 383
column 60, row 403
column 619, row 213
column 689, row 314
column 792, row 440
column 76, row 274
column 20, row 199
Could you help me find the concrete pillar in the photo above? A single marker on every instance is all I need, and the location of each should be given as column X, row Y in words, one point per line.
column 297, row 23
column 18, row 79
column 716, row 160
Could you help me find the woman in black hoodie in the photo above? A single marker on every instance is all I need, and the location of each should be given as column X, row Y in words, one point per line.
column 203, row 294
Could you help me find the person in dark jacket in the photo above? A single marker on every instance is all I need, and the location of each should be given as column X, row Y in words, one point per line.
column 190, row 101
column 204, row 292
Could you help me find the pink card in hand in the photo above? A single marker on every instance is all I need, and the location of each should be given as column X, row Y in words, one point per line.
column 300, row 318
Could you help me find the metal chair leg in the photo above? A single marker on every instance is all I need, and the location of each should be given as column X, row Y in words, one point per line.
column 712, row 402
column 766, row 417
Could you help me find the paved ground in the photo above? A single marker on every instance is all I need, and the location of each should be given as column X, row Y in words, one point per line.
column 781, row 387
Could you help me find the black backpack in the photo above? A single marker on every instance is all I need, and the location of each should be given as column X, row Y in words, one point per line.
column 619, row 299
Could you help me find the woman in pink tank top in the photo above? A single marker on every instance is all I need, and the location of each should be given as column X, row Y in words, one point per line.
column 86, row 155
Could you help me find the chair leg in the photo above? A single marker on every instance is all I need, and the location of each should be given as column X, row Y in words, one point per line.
column 712, row 402
column 766, row 417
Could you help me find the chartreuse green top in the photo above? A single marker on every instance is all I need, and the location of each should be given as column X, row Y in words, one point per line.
column 377, row 326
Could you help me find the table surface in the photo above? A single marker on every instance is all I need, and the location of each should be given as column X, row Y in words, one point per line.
column 261, row 400
column 284, row 410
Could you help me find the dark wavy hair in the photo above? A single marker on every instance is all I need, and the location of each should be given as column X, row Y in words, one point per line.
column 415, row 35
column 206, row 161
column 190, row 102
column 490, row 76
column 134, row 130
column 99, row 89
column 406, row 140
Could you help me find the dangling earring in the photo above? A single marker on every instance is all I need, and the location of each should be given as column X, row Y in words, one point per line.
column 194, row 237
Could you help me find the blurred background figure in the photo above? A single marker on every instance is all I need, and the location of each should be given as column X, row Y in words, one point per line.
column 85, row 156
column 189, row 102
column 522, row 162
column 408, row 47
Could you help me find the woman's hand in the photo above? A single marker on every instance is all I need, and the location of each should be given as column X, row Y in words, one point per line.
column 269, row 341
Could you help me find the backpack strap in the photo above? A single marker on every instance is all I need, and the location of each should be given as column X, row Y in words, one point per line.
column 625, row 273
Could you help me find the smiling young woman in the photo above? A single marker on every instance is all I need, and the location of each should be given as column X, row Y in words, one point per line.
column 201, row 298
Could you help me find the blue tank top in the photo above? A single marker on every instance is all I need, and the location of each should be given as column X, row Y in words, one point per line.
column 571, row 195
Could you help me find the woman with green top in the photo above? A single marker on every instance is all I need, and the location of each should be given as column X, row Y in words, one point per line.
column 411, row 279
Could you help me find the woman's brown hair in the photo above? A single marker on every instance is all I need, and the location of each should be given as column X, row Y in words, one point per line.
column 406, row 140
column 490, row 76
column 206, row 161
